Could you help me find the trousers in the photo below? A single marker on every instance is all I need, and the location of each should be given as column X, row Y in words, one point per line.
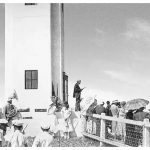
column 77, row 106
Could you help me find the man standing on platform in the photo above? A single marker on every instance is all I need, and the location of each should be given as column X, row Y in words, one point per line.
column 77, row 94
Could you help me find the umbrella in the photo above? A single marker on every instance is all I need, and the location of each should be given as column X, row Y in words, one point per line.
column 13, row 95
column 136, row 104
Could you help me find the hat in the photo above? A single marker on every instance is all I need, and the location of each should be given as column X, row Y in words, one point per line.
column 148, row 107
column 115, row 101
column 17, row 123
column 102, row 103
column 45, row 125
column 53, row 96
column 4, row 121
column 78, row 81
column 9, row 98
column 122, row 103
column 108, row 102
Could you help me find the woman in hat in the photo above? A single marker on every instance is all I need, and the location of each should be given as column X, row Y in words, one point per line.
column 52, row 119
column 114, row 110
column 121, row 126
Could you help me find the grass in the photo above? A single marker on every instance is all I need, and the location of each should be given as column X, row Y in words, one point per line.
column 72, row 142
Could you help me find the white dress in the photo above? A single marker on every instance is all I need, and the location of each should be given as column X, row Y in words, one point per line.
column 52, row 119
column 61, row 121
column 68, row 121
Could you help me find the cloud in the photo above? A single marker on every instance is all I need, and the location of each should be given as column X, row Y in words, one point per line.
column 99, row 37
column 99, row 31
column 127, row 77
column 138, row 29
column 117, row 75
column 99, row 94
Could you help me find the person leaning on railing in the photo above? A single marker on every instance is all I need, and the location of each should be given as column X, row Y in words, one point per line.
column 100, row 108
column 140, row 115
column 91, row 109
column 115, row 111
column 121, row 126
column 137, row 115
column 129, row 114
column 108, row 111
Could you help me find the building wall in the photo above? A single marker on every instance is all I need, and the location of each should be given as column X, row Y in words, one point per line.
column 27, row 47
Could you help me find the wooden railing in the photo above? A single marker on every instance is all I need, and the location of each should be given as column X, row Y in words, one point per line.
column 99, row 127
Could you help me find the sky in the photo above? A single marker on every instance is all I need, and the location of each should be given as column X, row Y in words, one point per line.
column 107, row 46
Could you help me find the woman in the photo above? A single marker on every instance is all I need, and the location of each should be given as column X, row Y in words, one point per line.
column 52, row 117
column 140, row 115
column 121, row 126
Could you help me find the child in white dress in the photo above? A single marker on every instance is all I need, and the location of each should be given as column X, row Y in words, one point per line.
column 68, row 123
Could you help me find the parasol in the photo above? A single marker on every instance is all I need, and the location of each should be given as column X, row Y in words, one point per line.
column 136, row 104
column 13, row 95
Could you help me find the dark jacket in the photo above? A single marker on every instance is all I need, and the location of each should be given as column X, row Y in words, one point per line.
column 77, row 91
column 140, row 116
column 129, row 115
column 91, row 109
column 108, row 111
column 100, row 109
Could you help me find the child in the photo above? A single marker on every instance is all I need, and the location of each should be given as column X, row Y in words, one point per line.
column 68, row 123
column 18, row 137
column 43, row 139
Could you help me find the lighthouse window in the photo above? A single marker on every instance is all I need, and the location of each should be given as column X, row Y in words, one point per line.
column 31, row 79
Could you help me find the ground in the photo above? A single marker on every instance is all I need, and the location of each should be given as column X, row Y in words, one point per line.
column 72, row 142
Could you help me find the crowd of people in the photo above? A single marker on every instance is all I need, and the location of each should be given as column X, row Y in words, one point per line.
column 59, row 121
column 12, row 126
column 117, row 109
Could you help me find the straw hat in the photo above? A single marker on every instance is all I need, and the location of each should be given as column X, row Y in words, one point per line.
column 115, row 101
column 4, row 121
column 45, row 125
column 78, row 81
column 122, row 103
column 101, row 103
column 9, row 98
column 17, row 123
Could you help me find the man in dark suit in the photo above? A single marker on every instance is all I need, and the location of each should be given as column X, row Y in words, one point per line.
column 77, row 94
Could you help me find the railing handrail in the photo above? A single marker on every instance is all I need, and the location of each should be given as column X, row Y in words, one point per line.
column 144, row 124
column 139, row 123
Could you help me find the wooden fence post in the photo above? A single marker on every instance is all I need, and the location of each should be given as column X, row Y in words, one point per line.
column 102, row 129
column 146, row 134
column 84, row 123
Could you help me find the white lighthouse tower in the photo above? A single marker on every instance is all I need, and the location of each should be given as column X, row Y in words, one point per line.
column 34, row 49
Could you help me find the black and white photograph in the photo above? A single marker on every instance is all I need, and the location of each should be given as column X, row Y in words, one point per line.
column 74, row 74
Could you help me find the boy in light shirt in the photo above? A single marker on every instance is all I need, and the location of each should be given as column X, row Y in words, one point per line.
column 43, row 139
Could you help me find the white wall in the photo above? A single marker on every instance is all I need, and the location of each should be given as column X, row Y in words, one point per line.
column 27, row 47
